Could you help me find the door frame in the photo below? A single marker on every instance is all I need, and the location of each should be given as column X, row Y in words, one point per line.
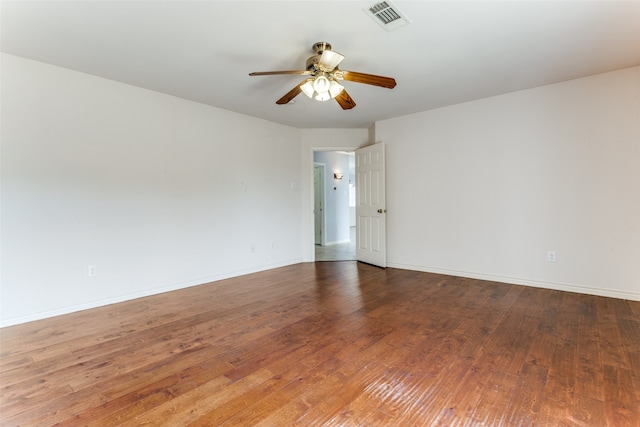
column 323, row 218
column 310, row 215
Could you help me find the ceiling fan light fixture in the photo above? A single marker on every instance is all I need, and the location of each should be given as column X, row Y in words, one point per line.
column 323, row 96
column 335, row 88
column 321, row 88
column 307, row 88
column 321, row 84
column 330, row 60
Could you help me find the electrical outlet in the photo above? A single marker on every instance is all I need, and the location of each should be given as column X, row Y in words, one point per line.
column 92, row 270
column 551, row 256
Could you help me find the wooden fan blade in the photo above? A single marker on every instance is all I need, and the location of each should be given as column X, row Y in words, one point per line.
column 369, row 79
column 290, row 95
column 345, row 101
column 271, row 73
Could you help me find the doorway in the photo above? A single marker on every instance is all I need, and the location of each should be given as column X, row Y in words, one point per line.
column 334, row 205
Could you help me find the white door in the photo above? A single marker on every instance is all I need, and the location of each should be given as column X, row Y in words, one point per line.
column 370, row 205
column 318, row 202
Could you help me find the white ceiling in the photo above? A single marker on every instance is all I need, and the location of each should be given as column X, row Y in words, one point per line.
column 452, row 52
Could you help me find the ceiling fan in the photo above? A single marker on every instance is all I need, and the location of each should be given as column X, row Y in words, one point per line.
column 324, row 76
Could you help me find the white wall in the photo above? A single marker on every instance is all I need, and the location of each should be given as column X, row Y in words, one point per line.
column 161, row 193
column 328, row 140
column 484, row 189
column 336, row 192
column 158, row 192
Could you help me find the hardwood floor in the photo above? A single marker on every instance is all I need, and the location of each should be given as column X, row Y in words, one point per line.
column 331, row 343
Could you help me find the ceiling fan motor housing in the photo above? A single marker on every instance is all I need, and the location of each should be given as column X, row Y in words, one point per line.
column 312, row 62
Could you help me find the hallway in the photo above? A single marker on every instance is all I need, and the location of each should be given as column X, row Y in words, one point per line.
column 339, row 252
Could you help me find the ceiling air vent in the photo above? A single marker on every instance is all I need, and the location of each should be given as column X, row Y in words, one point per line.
column 387, row 15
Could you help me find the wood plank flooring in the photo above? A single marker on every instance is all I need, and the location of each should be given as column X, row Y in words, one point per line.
column 330, row 343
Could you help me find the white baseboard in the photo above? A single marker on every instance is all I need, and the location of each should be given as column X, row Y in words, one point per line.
column 136, row 295
column 612, row 293
column 502, row 279
column 338, row 242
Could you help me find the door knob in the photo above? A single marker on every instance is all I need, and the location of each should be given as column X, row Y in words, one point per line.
column 382, row 210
